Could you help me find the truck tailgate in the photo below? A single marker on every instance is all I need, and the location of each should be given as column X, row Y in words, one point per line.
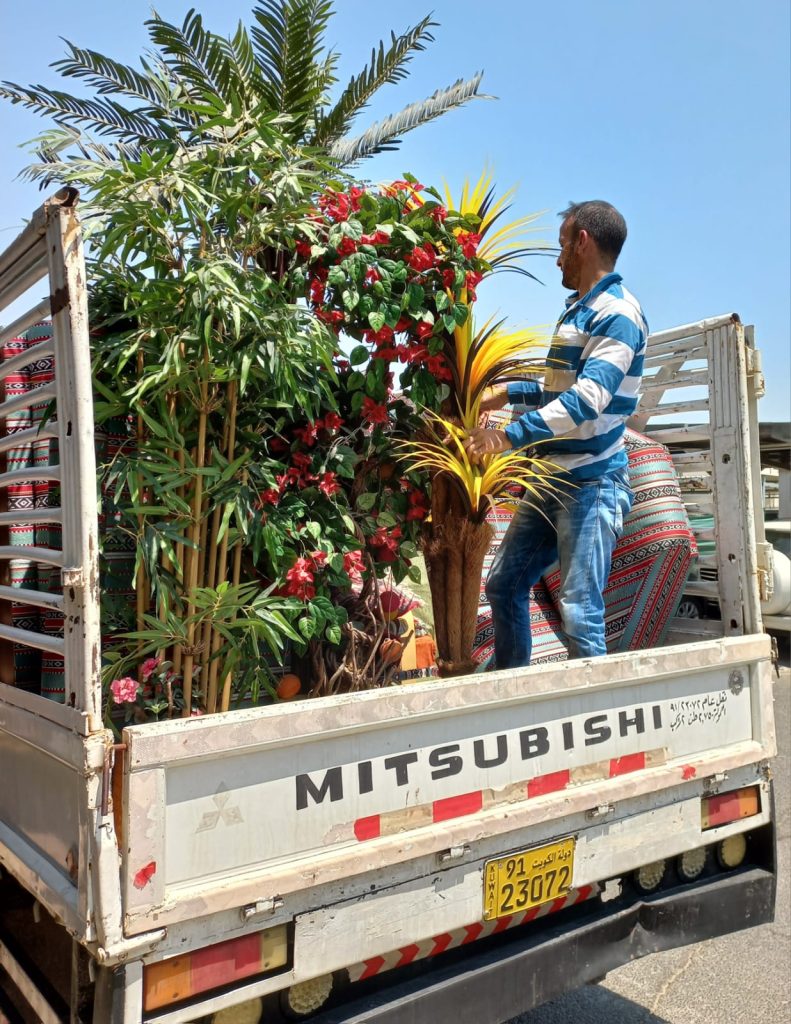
column 227, row 811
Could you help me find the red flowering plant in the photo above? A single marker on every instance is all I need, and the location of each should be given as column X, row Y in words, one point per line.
column 394, row 269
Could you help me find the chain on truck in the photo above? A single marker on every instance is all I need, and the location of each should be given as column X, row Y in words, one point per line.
column 458, row 850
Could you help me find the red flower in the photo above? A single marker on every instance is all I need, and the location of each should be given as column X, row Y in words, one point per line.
column 269, row 497
column 353, row 565
column 449, row 278
column 307, row 434
column 319, row 558
column 372, row 275
column 347, row 246
column 355, row 194
column 379, row 237
column 372, row 412
column 331, row 421
column 380, row 337
column 299, row 580
column 335, row 205
column 422, row 257
column 302, row 461
column 303, row 249
column 439, row 213
column 330, row 316
column 404, row 324
column 469, row 243
column 385, row 544
column 424, row 330
column 328, row 484
column 316, row 291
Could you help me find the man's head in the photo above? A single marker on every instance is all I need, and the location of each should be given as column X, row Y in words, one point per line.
column 591, row 238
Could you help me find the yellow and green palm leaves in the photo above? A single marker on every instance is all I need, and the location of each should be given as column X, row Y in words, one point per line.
column 481, row 359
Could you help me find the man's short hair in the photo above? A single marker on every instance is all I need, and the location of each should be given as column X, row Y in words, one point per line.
column 603, row 223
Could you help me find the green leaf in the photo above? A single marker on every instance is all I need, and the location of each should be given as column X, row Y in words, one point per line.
column 376, row 320
column 333, row 634
column 366, row 501
column 350, row 298
column 356, row 379
column 413, row 572
column 359, row 354
column 441, row 301
column 307, row 627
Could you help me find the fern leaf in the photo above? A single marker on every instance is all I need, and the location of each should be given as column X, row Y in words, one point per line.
column 387, row 134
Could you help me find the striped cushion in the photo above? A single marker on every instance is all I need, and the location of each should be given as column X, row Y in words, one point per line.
column 649, row 568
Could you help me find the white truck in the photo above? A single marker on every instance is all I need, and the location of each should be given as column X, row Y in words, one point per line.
column 446, row 851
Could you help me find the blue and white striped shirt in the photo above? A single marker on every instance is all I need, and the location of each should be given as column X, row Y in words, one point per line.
column 592, row 384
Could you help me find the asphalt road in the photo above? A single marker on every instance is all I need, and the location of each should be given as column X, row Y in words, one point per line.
column 743, row 978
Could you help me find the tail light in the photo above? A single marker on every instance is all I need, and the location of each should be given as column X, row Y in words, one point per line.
column 727, row 807
column 188, row 975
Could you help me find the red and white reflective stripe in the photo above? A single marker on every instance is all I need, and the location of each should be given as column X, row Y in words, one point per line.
column 462, row 936
column 393, row 822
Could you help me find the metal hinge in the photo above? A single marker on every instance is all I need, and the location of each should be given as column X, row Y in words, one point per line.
column 72, row 577
column 454, row 853
column 755, row 370
column 261, row 907
column 599, row 812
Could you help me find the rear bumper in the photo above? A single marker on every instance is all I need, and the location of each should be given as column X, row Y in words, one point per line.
column 504, row 980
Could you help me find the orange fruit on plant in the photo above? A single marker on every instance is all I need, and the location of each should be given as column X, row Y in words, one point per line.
column 390, row 651
column 288, row 686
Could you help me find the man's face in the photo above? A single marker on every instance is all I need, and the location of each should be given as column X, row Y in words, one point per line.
column 569, row 260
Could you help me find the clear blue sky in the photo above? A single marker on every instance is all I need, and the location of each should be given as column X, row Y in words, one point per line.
column 675, row 111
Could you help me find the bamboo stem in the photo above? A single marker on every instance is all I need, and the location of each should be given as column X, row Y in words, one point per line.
column 222, row 560
column 237, row 572
column 194, row 536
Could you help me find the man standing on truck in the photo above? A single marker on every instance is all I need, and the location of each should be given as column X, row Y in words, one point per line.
column 591, row 386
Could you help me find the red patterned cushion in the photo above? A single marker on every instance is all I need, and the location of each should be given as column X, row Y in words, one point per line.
column 650, row 566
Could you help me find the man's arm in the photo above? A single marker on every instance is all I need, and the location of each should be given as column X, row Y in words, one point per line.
column 616, row 340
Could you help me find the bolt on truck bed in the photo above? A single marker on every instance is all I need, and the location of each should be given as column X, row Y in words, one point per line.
column 536, row 820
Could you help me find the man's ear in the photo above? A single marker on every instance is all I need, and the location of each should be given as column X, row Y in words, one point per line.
column 583, row 239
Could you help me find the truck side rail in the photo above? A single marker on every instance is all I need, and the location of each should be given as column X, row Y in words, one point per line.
column 701, row 384
column 50, row 247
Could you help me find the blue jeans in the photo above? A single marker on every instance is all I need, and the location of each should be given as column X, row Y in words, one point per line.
column 578, row 528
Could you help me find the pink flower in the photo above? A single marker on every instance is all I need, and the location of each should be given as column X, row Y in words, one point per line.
column 124, row 690
column 300, row 580
column 148, row 668
column 353, row 565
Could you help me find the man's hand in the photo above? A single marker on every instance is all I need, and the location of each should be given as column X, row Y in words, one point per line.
column 481, row 442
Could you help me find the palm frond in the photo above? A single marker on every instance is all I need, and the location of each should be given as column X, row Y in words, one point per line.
column 386, row 135
column 107, row 76
column 288, row 40
column 443, row 451
column 195, row 55
column 105, row 117
column 385, row 66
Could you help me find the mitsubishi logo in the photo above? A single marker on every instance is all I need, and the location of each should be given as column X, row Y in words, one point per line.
column 228, row 815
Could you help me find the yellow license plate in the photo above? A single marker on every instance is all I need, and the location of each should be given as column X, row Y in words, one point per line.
column 527, row 879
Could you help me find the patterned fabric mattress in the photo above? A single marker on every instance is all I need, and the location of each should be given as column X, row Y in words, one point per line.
column 650, row 566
